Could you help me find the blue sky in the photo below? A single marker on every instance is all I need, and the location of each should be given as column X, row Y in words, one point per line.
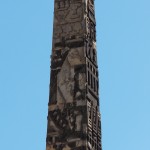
column 123, row 45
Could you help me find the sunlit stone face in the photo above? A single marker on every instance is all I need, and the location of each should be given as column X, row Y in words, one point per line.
column 73, row 96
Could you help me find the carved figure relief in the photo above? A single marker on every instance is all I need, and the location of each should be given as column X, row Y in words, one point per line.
column 72, row 117
column 68, row 21
column 71, row 31
column 75, row 14
column 91, row 52
column 74, row 57
column 69, row 11
column 70, row 126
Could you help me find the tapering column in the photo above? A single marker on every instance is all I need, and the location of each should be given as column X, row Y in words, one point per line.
column 73, row 112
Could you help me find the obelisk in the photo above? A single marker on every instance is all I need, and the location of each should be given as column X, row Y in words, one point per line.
column 74, row 121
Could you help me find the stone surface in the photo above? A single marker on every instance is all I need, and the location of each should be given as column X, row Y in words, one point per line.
column 73, row 115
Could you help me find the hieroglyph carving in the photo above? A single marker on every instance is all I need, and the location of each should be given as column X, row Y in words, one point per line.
column 73, row 114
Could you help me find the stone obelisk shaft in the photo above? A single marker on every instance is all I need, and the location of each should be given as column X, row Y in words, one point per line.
column 73, row 112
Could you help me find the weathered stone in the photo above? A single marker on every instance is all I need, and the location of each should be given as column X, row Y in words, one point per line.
column 73, row 115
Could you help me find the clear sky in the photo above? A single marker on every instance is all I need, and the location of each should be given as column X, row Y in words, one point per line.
column 123, row 45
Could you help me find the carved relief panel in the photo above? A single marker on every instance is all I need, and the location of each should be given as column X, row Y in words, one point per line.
column 73, row 118
column 68, row 20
